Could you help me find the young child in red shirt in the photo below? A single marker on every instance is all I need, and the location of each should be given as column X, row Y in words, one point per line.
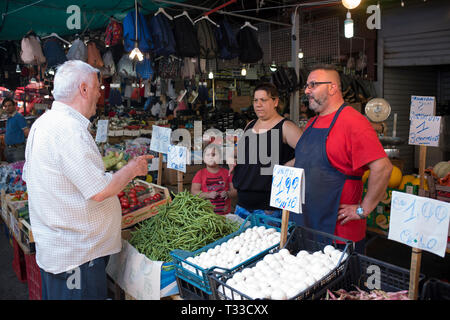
column 214, row 182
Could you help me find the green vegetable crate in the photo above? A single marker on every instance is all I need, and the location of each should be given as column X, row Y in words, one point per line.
column 200, row 278
column 134, row 217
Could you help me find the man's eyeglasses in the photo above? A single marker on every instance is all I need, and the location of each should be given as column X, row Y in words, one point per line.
column 313, row 84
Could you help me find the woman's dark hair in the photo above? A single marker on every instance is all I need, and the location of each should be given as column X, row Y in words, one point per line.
column 7, row 100
column 268, row 87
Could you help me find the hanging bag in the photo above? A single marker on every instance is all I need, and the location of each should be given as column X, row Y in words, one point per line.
column 113, row 33
column 185, row 37
column 109, row 68
column 144, row 68
column 162, row 35
column 145, row 43
column 54, row 53
column 206, row 39
column 94, row 57
column 32, row 51
column 78, row 51
column 125, row 67
column 250, row 50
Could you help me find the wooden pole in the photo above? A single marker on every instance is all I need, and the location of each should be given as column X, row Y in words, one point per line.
column 159, row 180
column 180, row 181
column 416, row 255
column 284, row 227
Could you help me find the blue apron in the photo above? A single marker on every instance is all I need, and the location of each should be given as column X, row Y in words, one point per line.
column 323, row 182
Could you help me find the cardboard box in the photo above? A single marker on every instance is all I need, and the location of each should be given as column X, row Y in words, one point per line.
column 169, row 176
column 240, row 102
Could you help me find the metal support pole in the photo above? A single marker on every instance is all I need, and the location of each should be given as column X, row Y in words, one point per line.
column 295, row 96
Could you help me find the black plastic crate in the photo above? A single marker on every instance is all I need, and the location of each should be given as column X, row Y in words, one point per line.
column 361, row 273
column 188, row 291
column 301, row 238
column 435, row 289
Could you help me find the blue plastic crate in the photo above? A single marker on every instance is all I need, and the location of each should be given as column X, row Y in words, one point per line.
column 200, row 278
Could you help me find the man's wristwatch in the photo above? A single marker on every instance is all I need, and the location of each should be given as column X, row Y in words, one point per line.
column 360, row 212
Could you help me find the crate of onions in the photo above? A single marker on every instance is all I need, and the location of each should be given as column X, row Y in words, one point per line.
column 308, row 262
column 258, row 235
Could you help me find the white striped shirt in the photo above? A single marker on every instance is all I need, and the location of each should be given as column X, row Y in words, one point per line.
column 63, row 170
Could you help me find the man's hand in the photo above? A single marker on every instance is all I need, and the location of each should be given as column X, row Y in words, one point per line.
column 224, row 194
column 212, row 194
column 347, row 212
column 139, row 165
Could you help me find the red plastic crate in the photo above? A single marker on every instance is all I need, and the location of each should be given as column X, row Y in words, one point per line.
column 18, row 263
column 34, row 278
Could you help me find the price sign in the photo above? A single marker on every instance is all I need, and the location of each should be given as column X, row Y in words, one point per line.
column 422, row 106
column 424, row 130
column 160, row 139
column 176, row 158
column 419, row 222
column 288, row 188
column 102, row 131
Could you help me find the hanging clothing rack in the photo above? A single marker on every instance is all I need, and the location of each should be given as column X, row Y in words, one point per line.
column 222, row 12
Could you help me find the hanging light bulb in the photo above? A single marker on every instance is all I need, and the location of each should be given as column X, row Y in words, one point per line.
column 348, row 26
column 136, row 53
column 243, row 71
column 210, row 75
column 351, row 4
column 18, row 69
column 300, row 54
column 273, row 67
column 402, row 3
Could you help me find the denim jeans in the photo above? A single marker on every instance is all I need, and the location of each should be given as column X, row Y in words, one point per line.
column 85, row 282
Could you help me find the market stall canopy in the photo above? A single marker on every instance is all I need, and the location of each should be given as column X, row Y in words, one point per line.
column 44, row 17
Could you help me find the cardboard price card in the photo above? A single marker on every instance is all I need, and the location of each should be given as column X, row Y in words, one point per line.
column 160, row 139
column 422, row 106
column 419, row 222
column 102, row 131
column 425, row 130
column 176, row 158
column 288, row 188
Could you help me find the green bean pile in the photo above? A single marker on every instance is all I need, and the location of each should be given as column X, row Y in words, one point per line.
column 187, row 223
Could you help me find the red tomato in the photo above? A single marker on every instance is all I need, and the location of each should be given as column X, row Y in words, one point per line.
column 157, row 197
column 121, row 194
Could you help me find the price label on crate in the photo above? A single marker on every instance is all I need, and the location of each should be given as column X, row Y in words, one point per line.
column 160, row 139
column 288, row 188
column 176, row 158
column 419, row 222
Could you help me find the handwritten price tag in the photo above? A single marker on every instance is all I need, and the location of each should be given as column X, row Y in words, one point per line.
column 102, row 131
column 176, row 158
column 425, row 130
column 288, row 188
column 160, row 139
column 422, row 106
column 419, row 222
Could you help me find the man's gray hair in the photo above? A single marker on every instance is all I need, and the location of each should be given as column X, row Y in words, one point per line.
column 69, row 76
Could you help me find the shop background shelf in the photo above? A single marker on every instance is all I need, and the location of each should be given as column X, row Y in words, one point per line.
column 200, row 278
column 301, row 238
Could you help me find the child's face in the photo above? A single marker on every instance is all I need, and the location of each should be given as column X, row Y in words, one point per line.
column 211, row 157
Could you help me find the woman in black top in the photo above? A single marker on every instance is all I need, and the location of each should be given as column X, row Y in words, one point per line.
column 267, row 141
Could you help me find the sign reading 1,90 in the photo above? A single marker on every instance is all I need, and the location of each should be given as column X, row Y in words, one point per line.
column 286, row 188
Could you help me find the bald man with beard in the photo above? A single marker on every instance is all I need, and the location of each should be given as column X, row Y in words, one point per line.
column 337, row 146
